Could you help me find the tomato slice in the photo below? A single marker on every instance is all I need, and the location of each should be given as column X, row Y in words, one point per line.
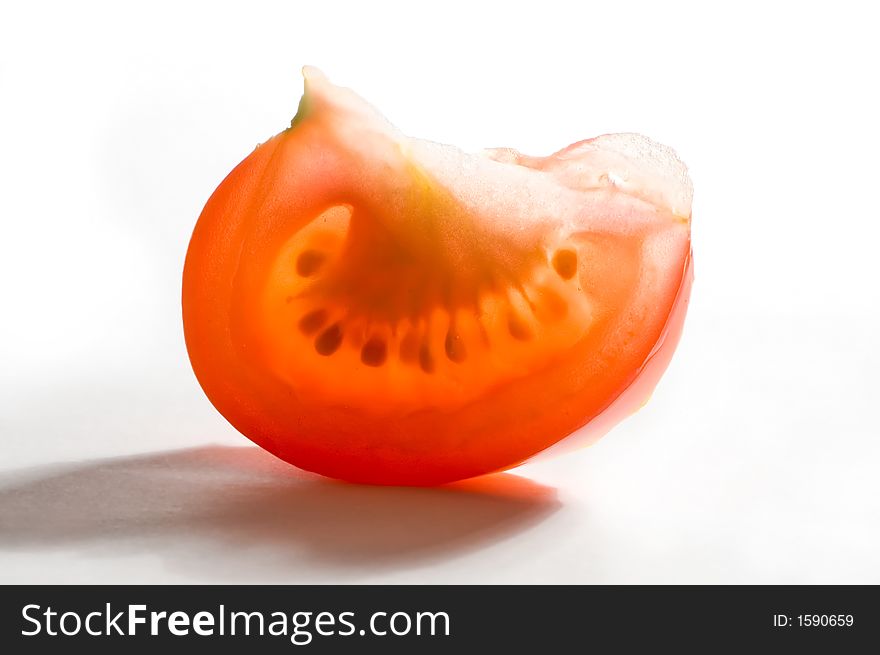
column 381, row 309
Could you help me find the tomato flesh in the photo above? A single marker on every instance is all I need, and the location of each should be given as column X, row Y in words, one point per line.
column 385, row 310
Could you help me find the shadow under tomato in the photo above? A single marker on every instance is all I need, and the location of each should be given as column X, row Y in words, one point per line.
column 229, row 512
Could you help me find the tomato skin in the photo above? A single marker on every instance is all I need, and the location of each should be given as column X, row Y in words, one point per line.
column 268, row 196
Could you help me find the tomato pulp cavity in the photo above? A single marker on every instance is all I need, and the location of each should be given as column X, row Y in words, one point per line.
column 382, row 309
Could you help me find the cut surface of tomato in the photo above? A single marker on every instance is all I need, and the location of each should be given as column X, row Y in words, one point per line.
column 382, row 309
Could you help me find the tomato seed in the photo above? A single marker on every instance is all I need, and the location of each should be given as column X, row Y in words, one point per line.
column 329, row 340
column 312, row 322
column 373, row 352
column 426, row 360
column 518, row 328
column 565, row 263
column 455, row 349
column 309, row 262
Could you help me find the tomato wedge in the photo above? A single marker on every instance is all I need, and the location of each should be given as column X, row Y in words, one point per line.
column 386, row 310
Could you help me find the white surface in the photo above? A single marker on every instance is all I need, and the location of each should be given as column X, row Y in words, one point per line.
column 757, row 459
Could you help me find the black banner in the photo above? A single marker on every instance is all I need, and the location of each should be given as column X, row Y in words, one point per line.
column 358, row 619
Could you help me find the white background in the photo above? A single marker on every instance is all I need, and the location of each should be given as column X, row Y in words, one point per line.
column 757, row 459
